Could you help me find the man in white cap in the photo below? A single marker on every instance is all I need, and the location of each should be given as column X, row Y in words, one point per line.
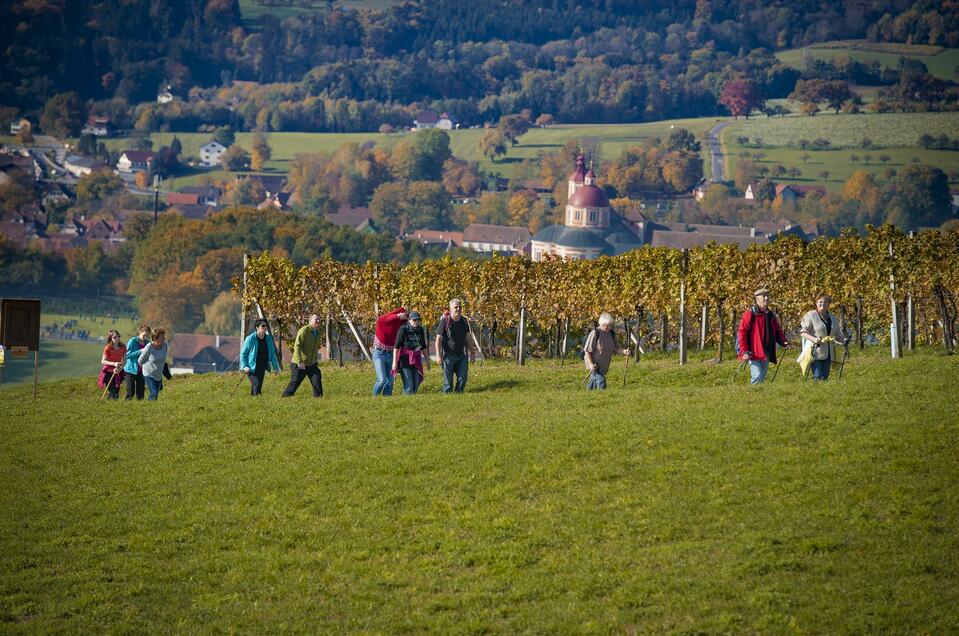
column 759, row 333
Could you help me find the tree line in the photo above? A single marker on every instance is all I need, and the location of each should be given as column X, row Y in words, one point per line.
column 335, row 69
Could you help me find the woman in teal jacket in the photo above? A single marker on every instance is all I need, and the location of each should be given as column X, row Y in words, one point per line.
column 257, row 354
column 134, row 373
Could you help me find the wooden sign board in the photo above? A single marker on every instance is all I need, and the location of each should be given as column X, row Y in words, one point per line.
column 20, row 325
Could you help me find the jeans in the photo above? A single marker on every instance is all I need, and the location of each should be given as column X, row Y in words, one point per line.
column 154, row 386
column 757, row 371
column 256, row 381
column 135, row 385
column 596, row 381
column 383, row 364
column 458, row 365
column 297, row 375
column 821, row 368
column 411, row 380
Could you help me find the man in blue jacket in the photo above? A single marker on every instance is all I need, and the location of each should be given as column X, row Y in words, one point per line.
column 257, row 355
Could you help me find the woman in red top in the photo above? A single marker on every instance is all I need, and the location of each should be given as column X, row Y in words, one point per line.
column 113, row 358
column 384, row 338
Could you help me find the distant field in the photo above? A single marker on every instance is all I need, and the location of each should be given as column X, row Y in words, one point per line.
column 887, row 130
column 613, row 138
column 896, row 133
column 251, row 11
column 58, row 359
column 941, row 62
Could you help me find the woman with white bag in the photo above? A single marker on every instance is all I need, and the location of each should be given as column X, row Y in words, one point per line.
column 820, row 332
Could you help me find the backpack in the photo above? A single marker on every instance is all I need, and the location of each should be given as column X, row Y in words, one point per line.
column 444, row 330
column 752, row 319
column 582, row 349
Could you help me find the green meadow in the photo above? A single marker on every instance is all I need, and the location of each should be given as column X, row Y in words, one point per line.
column 893, row 135
column 941, row 62
column 612, row 139
column 252, row 11
column 679, row 504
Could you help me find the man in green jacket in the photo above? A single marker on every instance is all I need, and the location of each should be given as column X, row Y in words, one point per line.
column 305, row 348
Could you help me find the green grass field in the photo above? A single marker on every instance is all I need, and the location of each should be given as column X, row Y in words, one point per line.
column 680, row 504
column 465, row 143
column 252, row 11
column 894, row 134
column 941, row 62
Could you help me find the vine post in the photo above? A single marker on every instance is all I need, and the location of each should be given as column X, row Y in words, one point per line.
column 243, row 307
column 521, row 336
column 894, row 327
column 703, row 326
column 682, row 308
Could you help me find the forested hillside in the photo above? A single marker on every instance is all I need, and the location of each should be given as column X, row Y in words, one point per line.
column 350, row 70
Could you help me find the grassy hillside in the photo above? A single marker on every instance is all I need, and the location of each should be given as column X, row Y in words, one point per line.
column 465, row 143
column 680, row 504
column 894, row 136
column 941, row 62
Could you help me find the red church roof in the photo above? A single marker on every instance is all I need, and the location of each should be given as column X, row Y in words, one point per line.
column 589, row 196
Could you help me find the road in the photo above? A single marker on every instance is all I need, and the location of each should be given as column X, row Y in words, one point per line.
column 716, row 151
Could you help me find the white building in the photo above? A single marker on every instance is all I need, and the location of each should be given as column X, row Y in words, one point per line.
column 210, row 153
column 135, row 160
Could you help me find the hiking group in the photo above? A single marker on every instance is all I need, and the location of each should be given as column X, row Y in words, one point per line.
column 401, row 347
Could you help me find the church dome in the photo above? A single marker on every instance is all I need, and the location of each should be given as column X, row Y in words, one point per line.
column 589, row 196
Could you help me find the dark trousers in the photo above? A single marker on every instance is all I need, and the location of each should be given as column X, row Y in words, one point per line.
column 135, row 385
column 821, row 368
column 256, row 381
column 296, row 377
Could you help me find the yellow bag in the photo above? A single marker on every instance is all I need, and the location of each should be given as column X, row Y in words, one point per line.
column 805, row 357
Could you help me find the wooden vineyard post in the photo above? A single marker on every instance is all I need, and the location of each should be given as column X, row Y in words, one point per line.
column 682, row 309
column 640, row 317
column 722, row 329
column 243, row 308
column 521, row 336
column 703, row 326
column 894, row 333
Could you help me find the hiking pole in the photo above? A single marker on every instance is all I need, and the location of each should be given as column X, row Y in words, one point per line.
column 741, row 367
column 845, row 354
column 776, row 372
column 107, row 387
column 233, row 392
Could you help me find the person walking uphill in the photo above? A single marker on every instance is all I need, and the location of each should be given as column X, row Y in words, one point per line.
column 819, row 328
column 411, row 353
column 151, row 359
column 759, row 333
column 111, row 372
column 305, row 347
column 257, row 356
column 598, row 352
column 134, row 374
column 452, row 345
column 384, row 338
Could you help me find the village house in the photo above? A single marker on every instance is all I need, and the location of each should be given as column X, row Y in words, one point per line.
column 447, row 122
column 165, row 96
column 500, row 239
column 19, row 168
column 98, row 126
column 197, row 353
column 210, row 153
column 359, row 218
column 791, row 192
column 20, row 124
column 195, row 195
column 441, row 238
column 135, row 160
column 278, row 201
column 425, row 120
column 79, row 166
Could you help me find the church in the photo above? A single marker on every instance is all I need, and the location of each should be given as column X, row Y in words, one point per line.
column 591, row 228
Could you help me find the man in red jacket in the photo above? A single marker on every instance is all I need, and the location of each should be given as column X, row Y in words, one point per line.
column 759, row 333
column 384, row 338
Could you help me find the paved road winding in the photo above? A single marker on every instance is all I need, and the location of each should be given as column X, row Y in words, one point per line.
column 716, row 151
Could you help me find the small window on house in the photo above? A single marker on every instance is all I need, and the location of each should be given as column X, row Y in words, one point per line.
column 592, row 216
column 578, row 215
